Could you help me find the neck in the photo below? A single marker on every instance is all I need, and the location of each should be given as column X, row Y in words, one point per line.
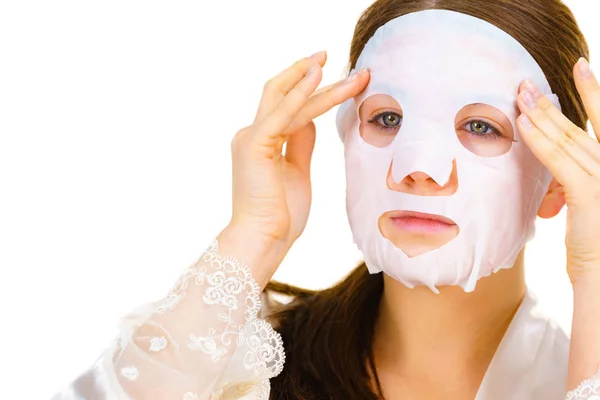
column 452, row 334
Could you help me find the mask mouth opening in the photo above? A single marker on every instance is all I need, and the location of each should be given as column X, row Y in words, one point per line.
column 416, row 233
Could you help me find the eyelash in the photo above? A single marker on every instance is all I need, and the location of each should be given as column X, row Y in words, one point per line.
column 495, row 134
column 383, row 126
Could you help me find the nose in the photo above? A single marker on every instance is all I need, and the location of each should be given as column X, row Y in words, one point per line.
column 420, row 184
column 420, row 177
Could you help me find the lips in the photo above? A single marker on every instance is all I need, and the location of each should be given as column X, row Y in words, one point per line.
column 408, row 215
column 413, row 222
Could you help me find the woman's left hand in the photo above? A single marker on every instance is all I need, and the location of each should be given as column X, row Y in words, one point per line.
column 573, row 158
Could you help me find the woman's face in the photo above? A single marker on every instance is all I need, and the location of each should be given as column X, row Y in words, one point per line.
column 481, row 128
column 440, row 188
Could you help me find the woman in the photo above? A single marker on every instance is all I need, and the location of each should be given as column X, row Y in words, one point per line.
column 410, row 332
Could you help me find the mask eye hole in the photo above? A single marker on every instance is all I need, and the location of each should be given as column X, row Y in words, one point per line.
column 484, row 130
column 380, row 120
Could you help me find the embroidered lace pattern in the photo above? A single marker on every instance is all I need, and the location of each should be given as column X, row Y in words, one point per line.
column 203, row 341
column 587, row 390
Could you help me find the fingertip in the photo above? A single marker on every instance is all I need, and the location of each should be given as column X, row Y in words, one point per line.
column 320, row 57
column 358, row 79
column 312, row 78
column 362, row 81
column 314, row 69
column 583, row 69
column 366, row 75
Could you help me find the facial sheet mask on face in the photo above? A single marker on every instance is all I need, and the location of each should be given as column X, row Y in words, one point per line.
column 447, row 145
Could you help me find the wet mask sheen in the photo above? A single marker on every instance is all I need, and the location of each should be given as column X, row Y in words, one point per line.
column 440, row 109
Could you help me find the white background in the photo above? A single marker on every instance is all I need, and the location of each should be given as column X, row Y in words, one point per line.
column 115, row 120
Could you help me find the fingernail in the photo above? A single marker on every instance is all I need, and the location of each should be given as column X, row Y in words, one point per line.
column 525, row 121
column 352, row 77
column 533, row 89
column 528, row 98
column 584, row 68
column 317, row 55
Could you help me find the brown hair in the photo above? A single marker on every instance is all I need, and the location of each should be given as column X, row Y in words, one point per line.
column 328, row 334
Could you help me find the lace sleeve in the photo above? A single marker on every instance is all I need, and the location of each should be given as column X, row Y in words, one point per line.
column 203, row 341
column 587, row 390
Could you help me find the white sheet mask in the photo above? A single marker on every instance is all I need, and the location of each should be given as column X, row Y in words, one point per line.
column 434, row 64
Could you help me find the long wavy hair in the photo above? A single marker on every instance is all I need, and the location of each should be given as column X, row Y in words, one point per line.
column 328, row 334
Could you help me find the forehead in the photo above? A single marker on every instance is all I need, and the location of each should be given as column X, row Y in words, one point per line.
column 442, row 59
column 444, row 53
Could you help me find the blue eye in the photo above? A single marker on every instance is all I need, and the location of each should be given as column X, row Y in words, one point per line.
column 482, row 129
column 387, row 120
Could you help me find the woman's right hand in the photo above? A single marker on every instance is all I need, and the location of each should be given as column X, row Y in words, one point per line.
column 271, row 189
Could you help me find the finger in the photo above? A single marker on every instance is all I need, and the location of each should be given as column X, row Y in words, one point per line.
column 559, row 163
column 323, row 101
column 326, row 88
column 570, row 139
column 278, row 87
column 274, row 124
column 564, row 124
column 299, row 148
column 589, row 89
column 323, row 89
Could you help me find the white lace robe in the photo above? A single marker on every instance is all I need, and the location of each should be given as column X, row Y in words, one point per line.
column 206, row 341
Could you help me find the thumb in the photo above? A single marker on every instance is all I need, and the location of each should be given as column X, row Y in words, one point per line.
column 299, row 147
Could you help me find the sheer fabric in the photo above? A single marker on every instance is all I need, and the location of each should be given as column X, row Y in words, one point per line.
column 206, row 340
column 203, row 341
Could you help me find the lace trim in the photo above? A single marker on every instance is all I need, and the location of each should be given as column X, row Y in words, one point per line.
column 226, row 283
column 587, row 390
column 229, row 279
